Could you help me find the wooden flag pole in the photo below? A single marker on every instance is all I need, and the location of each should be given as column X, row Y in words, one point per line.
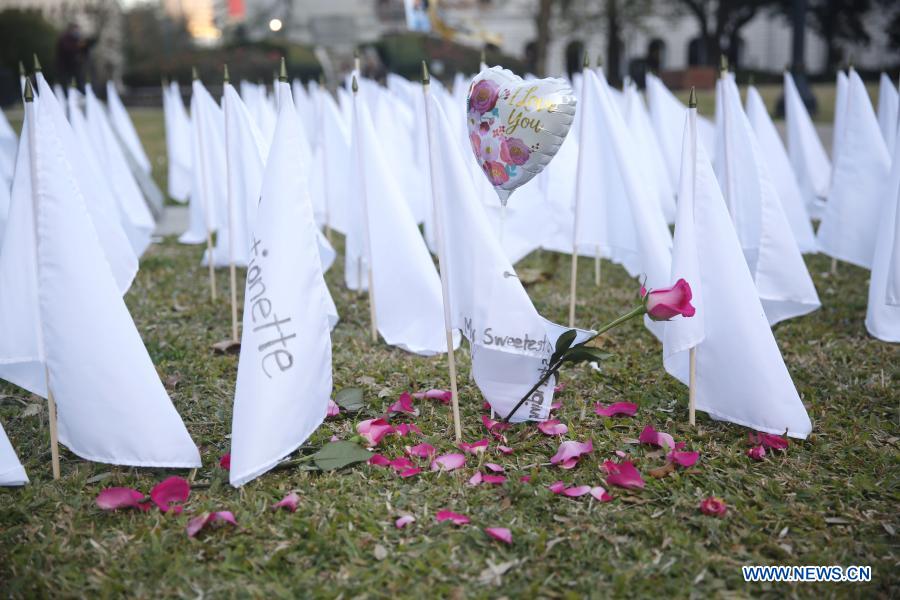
column 574, row 278
column 365, row 203
column 441, row 250
column 692, row 354
column 32, row 134
column 209, row 242
column 232, row 269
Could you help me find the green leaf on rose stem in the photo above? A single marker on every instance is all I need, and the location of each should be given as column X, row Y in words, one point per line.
column 337, row 455
column 582, row 353
column 563, row 343
column 350, row 399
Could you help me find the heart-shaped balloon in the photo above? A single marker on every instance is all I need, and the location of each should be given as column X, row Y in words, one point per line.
column 516, row 126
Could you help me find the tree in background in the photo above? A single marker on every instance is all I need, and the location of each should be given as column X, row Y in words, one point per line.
column 837, row 22
column 720, row 23
column 23, row 33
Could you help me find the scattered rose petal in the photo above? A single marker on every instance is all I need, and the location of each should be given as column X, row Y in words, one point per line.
column 485, row 405
column 334, row 438
column 573, row 492
column 410, row 472
column 525, row 478
column 757, row 452
column 499, row 533
column 600, row 494
column 475, row 447
column 404, row 521
column 553, row 427
column 557, row 487
column 773, row 442
column 225, row 461
column 475, row 479
column 448, row 462
column 403, row 429
column 620, row 454
column 422, row 450
column 627, row 409
column 495, row 427
column 374, row 430
column 569, row 451
column 559, row 387
column 404, row 404
column 448, row 515
column 495, row 479
column 197, row 523
column 173, row 489
column 120, row 497
column 656, row 438
column 333, row 409
column 713, row 506
column 623, row 475
column 289, row 502
column 494, row 467
column 378, row 460
column 555, row 406
column 402, row 463
column 684, row 459
column 505, row 449
column 445, row 396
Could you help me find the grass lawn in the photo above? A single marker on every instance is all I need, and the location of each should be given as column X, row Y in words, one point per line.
column 832, row 499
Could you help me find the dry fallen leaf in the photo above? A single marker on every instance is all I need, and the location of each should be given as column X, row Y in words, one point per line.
column 227, row 347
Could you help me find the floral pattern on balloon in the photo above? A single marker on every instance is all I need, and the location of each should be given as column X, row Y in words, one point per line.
column 516, row 126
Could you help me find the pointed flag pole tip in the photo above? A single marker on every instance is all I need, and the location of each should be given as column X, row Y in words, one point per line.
column 21, row 69
column 226, row 76
column 37, row 64
column 426, row 77
column 74, row 84
column 194, row 74
column 586, row 62
column 354, row 85
column 723, row 64
column 599, row 61
column 692, row 101
column 29, row 91
column 322, row 78
column 282, row 74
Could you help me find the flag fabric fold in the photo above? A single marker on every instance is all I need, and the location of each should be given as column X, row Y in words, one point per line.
column 888, row 109
column 178, row 143
column 740, row 374
column 12, row 473
column 808, row 158
column 123, row 126
column 284, row 379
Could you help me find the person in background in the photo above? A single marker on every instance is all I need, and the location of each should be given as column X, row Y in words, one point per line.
column 72, row 51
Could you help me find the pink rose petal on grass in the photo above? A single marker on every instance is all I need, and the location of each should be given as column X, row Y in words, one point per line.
column 404, row 404
column 505, row 449
column 495, row 427
column 773, row 442
column 525, row 478
column 494, row 467
column 402, row 463
column 600, row 494
column 684, row 459
column 627, row 409
column 714, row 507
column 289, row 502
column 495, row 479
column 573, row 492
column 559, row 387
column 374, row 430
column 553, row 427
column 115, row 498
column 555, row 406
column 448, row 462
column 499, row 533
column 475, row 447
column 656, row 438
column 333, row 409
column 403, row 429
column 620, row 454
column 476, row 478
column 198, row 523
column 225, row 461
column 173, row 489
column 377, row 460
column 569, row 451
column 444, row 396
column 410, row 472
column 757, row 452
column 455, row 518
column 624, row 475
column 422, row 450
column 404, row 521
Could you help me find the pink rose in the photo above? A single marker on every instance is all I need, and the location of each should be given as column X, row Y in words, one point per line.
column 514, row 151
column 496, row 172
column 665, row 303
column 475, row 140
column 483, row 96
column 714, row 507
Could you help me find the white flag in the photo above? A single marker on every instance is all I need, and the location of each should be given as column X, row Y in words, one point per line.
column 855, row 203
column 306, row 110
column 808, row 158
column 779, row 167
column 208, row 194
column 740, row 375
column 510, row 342
column 8, row 145
column 116, row 169
column 123, row 126
column 95, row 178
column 328, row 182
column 840, row 112
column 178, row 142
column 62, row 317
column 883, row 313
column 782, row 280
column 11, row 470
column 120, row 257
column 284, row 374
column 384, row 234
column 888, row 108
